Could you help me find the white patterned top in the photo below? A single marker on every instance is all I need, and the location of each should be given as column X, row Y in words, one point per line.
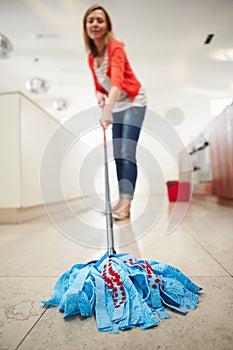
column 124, row 101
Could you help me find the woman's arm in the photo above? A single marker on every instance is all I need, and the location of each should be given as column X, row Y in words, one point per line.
column 101, row 98
column 106, row 116
column 117, row 60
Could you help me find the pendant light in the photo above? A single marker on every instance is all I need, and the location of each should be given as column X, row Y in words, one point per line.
column 59, row 104
column 6, row 47
column 36, row 85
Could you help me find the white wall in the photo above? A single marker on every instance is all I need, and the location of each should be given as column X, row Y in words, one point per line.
column 36, row 129
column 195, row 106
column 167, row 166
column 10, row 168
column 25, row 133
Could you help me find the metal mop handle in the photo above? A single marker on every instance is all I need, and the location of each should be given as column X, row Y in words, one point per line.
column 109, row 224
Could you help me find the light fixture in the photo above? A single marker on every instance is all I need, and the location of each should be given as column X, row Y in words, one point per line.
column 59, row 104
column 229, row 55
column 6, row 46
column 225, row 55
column 37, row 85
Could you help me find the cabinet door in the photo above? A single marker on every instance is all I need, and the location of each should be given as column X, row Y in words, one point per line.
column 221, row 147
column 229, row 113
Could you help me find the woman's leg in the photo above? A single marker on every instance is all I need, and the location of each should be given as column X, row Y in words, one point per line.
column 126, row 131
column 117, row 139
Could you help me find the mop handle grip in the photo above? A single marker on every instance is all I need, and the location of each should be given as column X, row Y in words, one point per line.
column 104, row 131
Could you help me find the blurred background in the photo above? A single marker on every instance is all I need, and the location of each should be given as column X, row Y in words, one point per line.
column 182, row 52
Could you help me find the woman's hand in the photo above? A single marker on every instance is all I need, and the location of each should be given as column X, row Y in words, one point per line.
column 101, row 98
column 106, row 116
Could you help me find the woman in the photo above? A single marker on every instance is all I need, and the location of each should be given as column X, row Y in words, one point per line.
column 121, row 97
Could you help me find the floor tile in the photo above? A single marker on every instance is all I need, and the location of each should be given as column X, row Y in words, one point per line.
column 20, row 307
column 34, row 254
column 207, row 327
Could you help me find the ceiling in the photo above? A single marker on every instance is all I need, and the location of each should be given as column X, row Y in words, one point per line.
column 164, row 41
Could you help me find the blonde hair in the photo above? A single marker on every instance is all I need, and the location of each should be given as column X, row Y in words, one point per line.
column 89, row 44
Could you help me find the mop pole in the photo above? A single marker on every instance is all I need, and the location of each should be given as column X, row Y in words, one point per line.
column 109, row 223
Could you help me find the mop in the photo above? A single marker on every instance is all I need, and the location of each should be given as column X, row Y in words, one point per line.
column 121, row 291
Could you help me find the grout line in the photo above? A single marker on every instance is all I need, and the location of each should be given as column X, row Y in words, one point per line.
column 33, row 326
column 21, row 276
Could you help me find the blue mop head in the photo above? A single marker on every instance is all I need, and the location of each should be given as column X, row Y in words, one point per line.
column 123, row 292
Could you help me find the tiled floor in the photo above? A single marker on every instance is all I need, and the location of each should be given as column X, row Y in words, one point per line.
column 34, row 254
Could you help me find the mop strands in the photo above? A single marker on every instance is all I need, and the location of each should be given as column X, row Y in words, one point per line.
column 123, row 292
column 120, row 290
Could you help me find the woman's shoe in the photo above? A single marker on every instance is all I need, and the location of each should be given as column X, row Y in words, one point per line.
column 114, row 208
column 119, row 216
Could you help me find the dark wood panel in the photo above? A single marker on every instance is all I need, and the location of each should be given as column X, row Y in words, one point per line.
column 221, row 147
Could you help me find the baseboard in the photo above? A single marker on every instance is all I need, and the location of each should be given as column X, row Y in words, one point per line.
column 9, row 216
column 208, row 198
column 227, row 202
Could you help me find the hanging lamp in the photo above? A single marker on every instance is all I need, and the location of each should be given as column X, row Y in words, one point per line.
column 6, row 47
column 36, row 85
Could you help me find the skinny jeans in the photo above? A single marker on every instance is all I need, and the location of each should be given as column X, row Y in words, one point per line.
column 126, row 129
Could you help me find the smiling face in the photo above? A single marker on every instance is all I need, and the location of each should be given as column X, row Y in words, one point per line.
column 96, row 25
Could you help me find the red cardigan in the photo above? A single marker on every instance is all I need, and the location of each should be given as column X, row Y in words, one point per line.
column 119, row 70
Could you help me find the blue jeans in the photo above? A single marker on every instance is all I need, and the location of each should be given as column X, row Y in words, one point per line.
column 125, row 133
